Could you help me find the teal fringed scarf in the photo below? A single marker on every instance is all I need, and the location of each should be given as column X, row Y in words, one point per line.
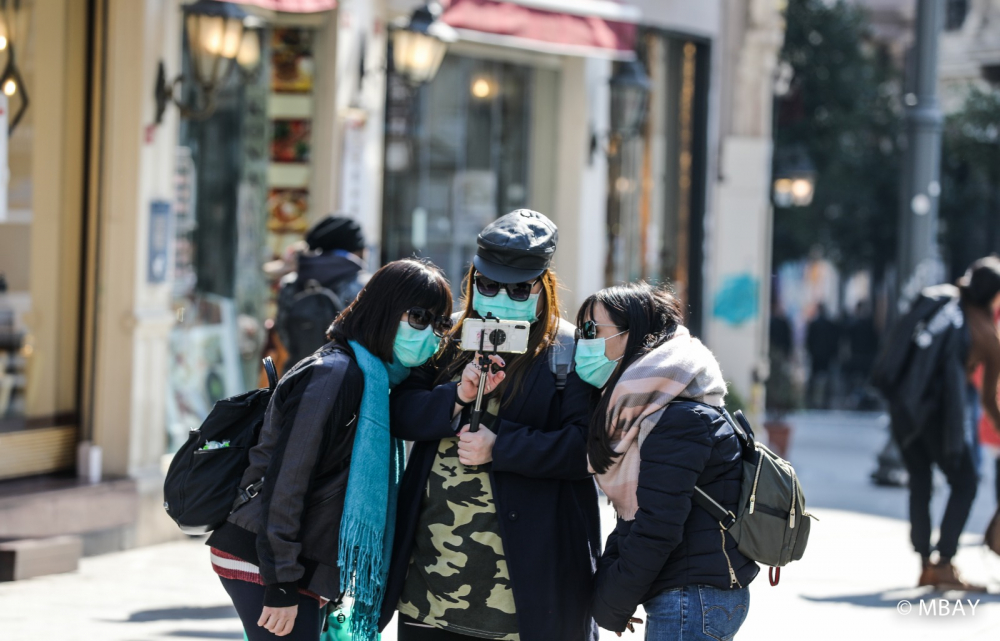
column 369, row 520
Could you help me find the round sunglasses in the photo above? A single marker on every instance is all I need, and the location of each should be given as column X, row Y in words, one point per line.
column 589, row 330
column 419, row 318
column 516, row 291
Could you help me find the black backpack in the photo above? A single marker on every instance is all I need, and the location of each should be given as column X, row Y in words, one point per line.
column 305, row 311
column 204, row 476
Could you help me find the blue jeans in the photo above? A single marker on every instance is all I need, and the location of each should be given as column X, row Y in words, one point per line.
column 696, row 612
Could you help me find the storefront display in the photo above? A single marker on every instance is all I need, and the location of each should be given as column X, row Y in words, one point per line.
column 457, row 157
column 243, row 197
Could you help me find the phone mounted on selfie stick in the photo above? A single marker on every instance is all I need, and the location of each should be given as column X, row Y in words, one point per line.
column 497, row 338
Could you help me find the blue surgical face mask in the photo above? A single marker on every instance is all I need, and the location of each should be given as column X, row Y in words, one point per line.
column 414, row 347
column 592, row 366
column 504, row 308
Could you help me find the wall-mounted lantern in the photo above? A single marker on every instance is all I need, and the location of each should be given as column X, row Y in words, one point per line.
column 13, row 31
column 629, row 98
column 630, row 87
column 218, row 34
column 419, row 44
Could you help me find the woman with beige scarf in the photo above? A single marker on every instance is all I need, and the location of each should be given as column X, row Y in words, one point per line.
column 656, row 434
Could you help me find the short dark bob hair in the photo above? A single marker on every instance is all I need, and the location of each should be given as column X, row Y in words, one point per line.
column 373, row 318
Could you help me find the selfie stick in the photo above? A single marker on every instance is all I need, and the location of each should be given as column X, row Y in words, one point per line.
column 484, row 364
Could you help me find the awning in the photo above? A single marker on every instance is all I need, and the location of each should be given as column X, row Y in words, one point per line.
column 601, row 28
column 293, row 6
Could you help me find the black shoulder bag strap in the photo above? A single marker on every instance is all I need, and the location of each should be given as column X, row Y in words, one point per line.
column 318, row 404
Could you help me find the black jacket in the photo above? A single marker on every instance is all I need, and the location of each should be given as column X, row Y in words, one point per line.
column 545, row 498
column 673, row 542
column 290, row 530
column 921, row 372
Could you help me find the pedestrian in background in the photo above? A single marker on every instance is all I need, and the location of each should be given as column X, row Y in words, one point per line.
column 498, row 530
column 327, row 276
column 319, row 505
column 862, row 344
column 823, row 345
column 924, row 371
column 657, row 433
column 783, row 394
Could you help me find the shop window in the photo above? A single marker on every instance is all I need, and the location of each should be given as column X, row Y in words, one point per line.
column 656, row 180
column 457, row 157
column 243, row 198
column 41, row 230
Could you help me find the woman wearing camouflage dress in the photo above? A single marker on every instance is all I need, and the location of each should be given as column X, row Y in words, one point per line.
column 497, row 533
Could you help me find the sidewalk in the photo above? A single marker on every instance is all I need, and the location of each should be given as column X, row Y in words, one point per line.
column 856, row 571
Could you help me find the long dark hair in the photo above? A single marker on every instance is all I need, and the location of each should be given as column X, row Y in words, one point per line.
column 542, row 334
column 651, row 315
column 373, row 318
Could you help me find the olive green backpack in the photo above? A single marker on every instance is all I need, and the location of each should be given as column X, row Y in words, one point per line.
column 771, row 525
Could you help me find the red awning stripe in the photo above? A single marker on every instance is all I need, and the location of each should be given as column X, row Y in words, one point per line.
column 294, row 6
column 518, row 25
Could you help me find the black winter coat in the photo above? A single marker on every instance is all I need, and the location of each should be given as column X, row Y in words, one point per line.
column 546, row 500
column 673, row 542
column 291, row 529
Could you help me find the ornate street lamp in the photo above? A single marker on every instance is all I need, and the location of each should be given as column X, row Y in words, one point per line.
column 215, row 38
column 794, row 178
column 629, row 97
column 419, row 45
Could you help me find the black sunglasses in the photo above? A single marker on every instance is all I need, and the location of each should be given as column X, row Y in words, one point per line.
column 589, row 330
column 517, row 291
column 419, row 318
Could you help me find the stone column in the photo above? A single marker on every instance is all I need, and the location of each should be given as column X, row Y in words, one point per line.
column 740, row 225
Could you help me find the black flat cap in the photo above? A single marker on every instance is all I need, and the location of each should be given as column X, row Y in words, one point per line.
column 517, row 247
column 336, row 232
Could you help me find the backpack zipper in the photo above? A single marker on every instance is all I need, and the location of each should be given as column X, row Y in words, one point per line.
column 732, row 573
column 791, row 514
column 756, row 477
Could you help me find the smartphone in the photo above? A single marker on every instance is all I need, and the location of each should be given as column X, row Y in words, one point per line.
column 489, row 336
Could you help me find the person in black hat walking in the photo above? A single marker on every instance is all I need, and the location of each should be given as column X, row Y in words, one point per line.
column 498, row 531
column 328, row 276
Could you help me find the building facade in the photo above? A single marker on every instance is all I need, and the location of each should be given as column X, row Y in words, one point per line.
column 135, row 232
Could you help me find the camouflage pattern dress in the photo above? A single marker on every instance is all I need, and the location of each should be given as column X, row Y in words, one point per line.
column 457, row 579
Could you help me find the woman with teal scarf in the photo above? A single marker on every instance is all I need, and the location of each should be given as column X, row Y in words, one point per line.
column 325, row 473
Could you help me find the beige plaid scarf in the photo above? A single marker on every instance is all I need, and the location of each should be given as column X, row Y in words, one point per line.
column 680, row 368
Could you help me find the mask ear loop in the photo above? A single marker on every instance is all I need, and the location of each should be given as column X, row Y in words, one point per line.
column 616, row 336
